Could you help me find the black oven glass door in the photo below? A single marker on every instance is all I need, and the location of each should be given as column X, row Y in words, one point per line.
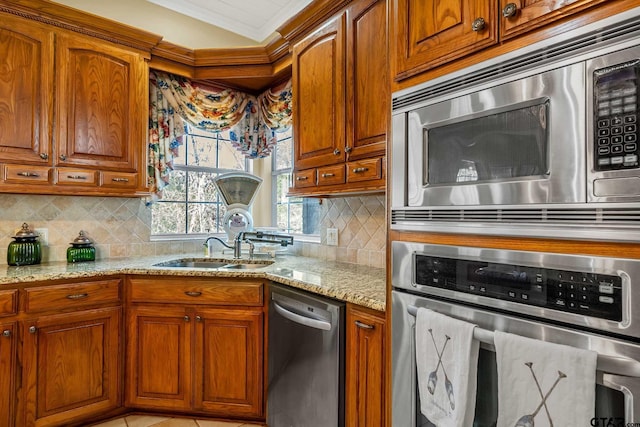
column 493, row 147
column 616, row 401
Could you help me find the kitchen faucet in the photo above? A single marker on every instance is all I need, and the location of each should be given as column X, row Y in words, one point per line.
column 237, row 245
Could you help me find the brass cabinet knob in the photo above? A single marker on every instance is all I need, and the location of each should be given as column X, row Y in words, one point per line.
column 510, row 10
column 336, row 152
column 198, row 318
column 44, row 156
column 6, row 333
column 478, row 24
column 186, row 318
column 33, row 330
column 347, row 149
column 63, row 157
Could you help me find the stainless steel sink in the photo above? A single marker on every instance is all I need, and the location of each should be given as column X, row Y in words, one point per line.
column 214, row 263
column 182, row 263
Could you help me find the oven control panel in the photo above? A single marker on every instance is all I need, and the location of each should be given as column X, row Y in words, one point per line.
column 589, row 294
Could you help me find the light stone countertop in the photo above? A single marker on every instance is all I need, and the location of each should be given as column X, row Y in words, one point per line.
column 361, row 285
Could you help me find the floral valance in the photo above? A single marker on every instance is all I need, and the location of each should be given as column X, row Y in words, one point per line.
column 252, row 121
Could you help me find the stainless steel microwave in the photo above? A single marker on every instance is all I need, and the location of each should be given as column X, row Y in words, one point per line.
column 554, row 127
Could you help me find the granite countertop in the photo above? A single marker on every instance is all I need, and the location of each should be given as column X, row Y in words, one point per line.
column 352, row 283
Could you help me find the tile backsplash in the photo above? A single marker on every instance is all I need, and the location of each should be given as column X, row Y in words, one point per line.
column 121, row 227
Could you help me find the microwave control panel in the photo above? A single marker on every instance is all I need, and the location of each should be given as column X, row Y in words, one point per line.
column 616, row 121
column 588, row 294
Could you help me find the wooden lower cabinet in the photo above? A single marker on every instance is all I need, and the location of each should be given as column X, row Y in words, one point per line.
column 71, row 366
column 196, row 358
column 8, row 344
column 365, row 381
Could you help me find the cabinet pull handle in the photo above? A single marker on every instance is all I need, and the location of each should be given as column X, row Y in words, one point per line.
column 76, row 177
column 44, row 156
column 186, row 318
column 198, row 318
column 301, row 178
column 33, row 330
column 77, row 296
column 6, row 333
column 28, row 174
column 193, row 293
column 328, row 175
column 478, row 24
column 510, row 10
column 360, row 170
column 120, row 179
column 63, row 157
column 336, row 152
column 361, row 325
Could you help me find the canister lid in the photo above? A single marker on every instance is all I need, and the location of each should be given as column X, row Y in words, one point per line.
column 82, row 239
column 25, row 232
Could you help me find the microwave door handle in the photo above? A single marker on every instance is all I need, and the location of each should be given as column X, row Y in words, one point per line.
column 630, row 387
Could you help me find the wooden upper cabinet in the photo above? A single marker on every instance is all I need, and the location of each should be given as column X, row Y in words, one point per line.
column 319, row 97
column 428, row 33
column 26, row 90
column 518, row 16
column 368, row 94
column 100, row 88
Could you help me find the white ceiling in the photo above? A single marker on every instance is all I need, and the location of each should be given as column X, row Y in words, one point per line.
column 254, row 19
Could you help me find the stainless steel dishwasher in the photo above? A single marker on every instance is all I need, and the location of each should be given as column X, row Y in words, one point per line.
column 306, row 360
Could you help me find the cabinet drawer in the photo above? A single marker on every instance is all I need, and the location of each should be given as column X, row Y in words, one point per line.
column 331, row 175
column 306, row 178
column 66, row 176
column 364, row 170
column 118, row 180
column 20, row 174
column 196, row 291
column 8, row 302
column 60, row 297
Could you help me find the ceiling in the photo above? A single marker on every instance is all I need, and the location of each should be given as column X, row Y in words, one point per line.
column 254, row 19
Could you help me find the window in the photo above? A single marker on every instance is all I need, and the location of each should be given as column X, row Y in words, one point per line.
column 190, row 204
column 298, row 215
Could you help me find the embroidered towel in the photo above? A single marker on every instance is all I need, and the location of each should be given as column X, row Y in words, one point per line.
column 543, row 384
column 447, row 362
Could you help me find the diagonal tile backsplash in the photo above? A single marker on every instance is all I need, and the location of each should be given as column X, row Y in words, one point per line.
column 121, row 227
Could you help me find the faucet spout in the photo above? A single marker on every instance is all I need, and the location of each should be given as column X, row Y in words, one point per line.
column 206, row 243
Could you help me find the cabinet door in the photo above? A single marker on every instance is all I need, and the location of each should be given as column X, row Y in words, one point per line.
column 72, row 366
column 368, row 82
column 518, row 16
column 26, row 90
column 159, row 358
column 429, row 33
column 7, row 373
column 319, row 97
column 365, row 388
column 228, row 366
column 101, row 92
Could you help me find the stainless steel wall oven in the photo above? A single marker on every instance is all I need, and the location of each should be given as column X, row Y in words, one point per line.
column 581, row 301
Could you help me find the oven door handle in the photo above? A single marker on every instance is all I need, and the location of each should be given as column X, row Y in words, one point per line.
column 606, row 364
column 302, row 320
column 631, row 391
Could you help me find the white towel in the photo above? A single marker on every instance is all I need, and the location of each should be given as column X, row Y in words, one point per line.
column 549, row 384
column 447, row 363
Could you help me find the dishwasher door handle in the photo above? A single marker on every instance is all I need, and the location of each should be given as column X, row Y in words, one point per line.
column 303, row 320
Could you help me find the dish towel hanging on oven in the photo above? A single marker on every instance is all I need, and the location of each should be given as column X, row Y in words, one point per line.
column 447, row 362
column 543, row 384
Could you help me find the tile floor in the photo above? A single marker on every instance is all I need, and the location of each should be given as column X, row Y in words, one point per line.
column 158, row 421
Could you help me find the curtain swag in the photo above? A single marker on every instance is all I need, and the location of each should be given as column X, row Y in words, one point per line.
column 253, row 121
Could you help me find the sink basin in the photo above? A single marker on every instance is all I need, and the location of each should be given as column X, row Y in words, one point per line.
column 244, row 266
column 182, row 263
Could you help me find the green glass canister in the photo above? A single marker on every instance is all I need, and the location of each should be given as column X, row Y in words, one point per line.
column 81, row 249
column 25, row 249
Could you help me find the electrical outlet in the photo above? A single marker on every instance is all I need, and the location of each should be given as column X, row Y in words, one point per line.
column 332, row 236
column 43, row 234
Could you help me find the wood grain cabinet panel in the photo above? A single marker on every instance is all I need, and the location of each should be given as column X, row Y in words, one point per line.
column 365, row 381
column 26, row 174
column 26, row 90
column 8, row 302
column 72, row 369
column 430, row 33
column 8, row 345
column 98, row 97
column 318, row 90
column 519, row 16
